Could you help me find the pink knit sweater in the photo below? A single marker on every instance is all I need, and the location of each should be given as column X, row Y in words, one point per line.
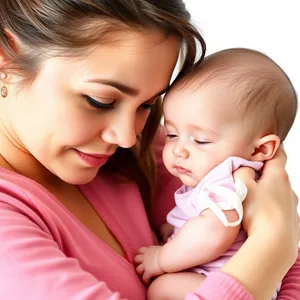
column 46, row 253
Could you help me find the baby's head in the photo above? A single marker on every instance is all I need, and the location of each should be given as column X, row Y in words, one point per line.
column 238, row 102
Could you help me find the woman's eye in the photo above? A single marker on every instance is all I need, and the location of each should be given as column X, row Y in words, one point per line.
column 147, row 106
column 97, row 104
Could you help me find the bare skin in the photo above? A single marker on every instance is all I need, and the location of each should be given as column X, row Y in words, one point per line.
column 163, row 286
column 67, row 124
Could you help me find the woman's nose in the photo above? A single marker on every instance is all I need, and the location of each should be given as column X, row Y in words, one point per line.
column 121, row 133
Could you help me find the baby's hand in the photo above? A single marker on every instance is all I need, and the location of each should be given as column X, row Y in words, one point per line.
column 147, row 262
column 166, row 230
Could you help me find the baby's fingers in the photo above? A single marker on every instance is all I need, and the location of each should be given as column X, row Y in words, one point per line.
column 138, row 259
column 140, row 269
column 142, row 250
column 146, row 278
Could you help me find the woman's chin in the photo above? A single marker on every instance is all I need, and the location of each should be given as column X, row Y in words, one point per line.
column 80, row 177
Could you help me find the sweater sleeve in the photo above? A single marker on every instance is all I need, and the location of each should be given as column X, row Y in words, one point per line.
column 33, row 267
column 290, row 287
column 219, row 285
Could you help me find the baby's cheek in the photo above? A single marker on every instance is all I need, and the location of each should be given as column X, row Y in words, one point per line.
column 202, row 168
column 167, row 155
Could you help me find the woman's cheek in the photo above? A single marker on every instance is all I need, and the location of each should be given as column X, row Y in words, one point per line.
column 141, row 120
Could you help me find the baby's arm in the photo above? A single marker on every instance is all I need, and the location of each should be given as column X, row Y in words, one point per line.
column 201, row 240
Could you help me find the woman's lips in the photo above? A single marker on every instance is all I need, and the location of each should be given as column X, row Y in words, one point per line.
column 94, row 160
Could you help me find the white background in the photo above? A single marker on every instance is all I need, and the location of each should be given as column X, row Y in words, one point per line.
column 272, row 27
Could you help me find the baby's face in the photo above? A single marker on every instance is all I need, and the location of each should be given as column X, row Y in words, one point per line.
column 202, row 131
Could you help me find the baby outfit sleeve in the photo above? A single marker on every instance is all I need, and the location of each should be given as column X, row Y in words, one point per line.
column 222, row 192
column 219, row 198
column 33, row 267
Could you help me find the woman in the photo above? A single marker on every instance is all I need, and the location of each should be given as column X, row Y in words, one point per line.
column 81, row 85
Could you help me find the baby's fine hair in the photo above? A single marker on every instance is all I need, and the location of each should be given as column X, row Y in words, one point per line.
column 263, row 92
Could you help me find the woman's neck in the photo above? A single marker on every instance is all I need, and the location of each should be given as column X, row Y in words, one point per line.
column 15, row 159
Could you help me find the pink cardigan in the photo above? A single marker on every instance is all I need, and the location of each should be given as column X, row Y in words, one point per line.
column 46, row 253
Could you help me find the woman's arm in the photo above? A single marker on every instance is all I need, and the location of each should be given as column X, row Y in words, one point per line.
column 270, row 209
column 272, row 223
column 220, row 285
column 290, row 288
column 33, row 267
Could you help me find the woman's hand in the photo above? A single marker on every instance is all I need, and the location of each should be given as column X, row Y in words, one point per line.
column 272, row 224
column 271, row 204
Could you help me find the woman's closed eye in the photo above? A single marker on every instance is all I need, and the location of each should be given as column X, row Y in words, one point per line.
column 99, row 105
column 110, row 104
column 149, row 104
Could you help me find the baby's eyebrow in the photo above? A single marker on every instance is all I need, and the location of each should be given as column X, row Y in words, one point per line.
column 168, row 122
column 200, row 128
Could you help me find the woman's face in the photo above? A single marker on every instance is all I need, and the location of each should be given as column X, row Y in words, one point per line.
column 78, row 111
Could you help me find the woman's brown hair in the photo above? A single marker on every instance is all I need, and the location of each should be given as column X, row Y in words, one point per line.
column 68, row 27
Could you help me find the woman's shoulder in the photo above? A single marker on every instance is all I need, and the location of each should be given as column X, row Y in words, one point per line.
column 24, row 206
column 23, row 196
column 16, row 186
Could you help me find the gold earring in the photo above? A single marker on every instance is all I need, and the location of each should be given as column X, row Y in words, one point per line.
column 4, row 91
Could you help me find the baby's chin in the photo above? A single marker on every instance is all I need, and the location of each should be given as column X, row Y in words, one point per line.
column 188, row 180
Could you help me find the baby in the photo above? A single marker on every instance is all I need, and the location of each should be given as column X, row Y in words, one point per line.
column 234, row 110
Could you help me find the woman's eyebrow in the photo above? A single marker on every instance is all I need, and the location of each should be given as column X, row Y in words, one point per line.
column 123, row 87
column 117, row 85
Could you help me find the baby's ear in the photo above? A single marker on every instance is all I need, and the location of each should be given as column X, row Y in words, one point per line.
column 265, row 147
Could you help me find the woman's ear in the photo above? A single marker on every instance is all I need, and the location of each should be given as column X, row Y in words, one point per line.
column 265, row 148
column 13, row 42
column 3, row 60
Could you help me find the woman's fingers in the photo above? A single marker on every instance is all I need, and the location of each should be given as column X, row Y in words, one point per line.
column 296, row 199
column 245, row 174
column 297, row 221
column 276, row 166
